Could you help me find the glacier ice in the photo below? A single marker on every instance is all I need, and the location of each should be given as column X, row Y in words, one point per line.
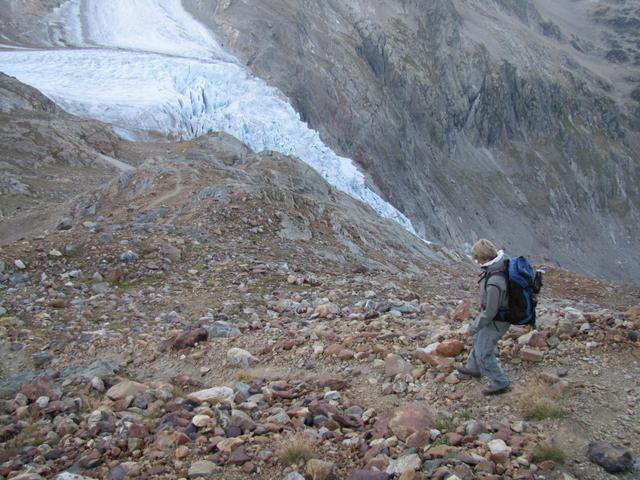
column 147, row 65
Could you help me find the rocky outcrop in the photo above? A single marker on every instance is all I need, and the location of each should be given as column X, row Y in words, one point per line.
column 47, row 157
column 474, row 118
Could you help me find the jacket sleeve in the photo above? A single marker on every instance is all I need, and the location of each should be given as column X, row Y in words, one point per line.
column 490, row 311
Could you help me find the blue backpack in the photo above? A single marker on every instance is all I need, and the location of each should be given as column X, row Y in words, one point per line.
column 523, row 286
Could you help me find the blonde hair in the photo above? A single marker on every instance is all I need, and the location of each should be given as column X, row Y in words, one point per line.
column 484, row 250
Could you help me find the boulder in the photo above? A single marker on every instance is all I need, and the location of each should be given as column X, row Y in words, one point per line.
column 409, row 462
column 613, row 458
column 240, row 357
column 125, row 389
column 368, row 475
column 462, row 312
column 450, row 348
column 319, row 469
column 395, row 364
column 189, row 338
column 212, row 395
column 205, row 469
column 410, row 419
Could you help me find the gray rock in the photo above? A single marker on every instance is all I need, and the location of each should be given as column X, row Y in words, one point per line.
column 613, row 458
column 204, row 468
column 240, row 357
column 64, row 224
column 129, row 257
column 41, row 359
column 406, row 462
column 221, row 328
column 294, row 476
column 102, row 287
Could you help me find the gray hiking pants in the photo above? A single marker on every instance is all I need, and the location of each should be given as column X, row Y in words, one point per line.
column 482, row 357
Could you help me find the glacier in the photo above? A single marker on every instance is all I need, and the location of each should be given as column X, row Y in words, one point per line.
column 147, row 65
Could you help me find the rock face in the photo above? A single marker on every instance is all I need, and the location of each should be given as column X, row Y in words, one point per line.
column 446, row 118
column 68, row 154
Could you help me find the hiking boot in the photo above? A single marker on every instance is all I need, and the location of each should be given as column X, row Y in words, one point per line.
column 495, row 389
column 468, row 372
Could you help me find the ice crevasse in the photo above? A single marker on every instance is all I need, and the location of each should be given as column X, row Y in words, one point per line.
column 148, row 65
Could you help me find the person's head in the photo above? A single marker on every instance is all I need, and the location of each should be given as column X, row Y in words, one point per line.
column 483, row 251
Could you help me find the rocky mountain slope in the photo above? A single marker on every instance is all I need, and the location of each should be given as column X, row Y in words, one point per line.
column 515, row 120
column 214, row 312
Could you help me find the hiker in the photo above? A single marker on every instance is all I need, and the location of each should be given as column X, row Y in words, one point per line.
column 485, row 328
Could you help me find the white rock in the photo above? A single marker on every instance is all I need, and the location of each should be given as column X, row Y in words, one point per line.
column 332, row 395
column 498, row 447
column 240, row 357
column 202, row 421
column 20, row 264
column 42, row 402
column 212, row 395
column 55, row 253
column 97, row 384
column 407, row 462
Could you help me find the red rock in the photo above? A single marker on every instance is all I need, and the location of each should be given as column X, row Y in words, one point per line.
column 454, row 438
column 248, row 468
column 346, row 354
column 409, row 419
column 439, row 451
column 531, row 355
column 238, row 457
column 138, row 431
column 333, row 383
column 57, row 303
column 462, row 312
column 450, row 348
column 418, row 439
column 547, row 465
column 348, row 421
column 189, row 338
column 395, row 364
column 538, row 340
column 333, row 350
column 40, row 387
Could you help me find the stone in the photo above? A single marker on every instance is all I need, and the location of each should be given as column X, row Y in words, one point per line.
column 239, row 456
column 41, row 387
column 368, row 475
column 633, row 313
column 294, row 476
column 125, row 389
column 204, row 468
column 410, row 462
column 19, row 264
column 531, row 355
column 499, row 447
column 319, row 469
column 65, row 223
column 240, row 357
column 462, row 313
column 613, row 458
column 212, row 395
column 222, row 329
column 242, row 420
column 410, row 419
column 40, row 359
column 450, row 348
column 189, row 338
column 97, row 384
column 129, row 257
column 395, row 365
column 202, row 421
